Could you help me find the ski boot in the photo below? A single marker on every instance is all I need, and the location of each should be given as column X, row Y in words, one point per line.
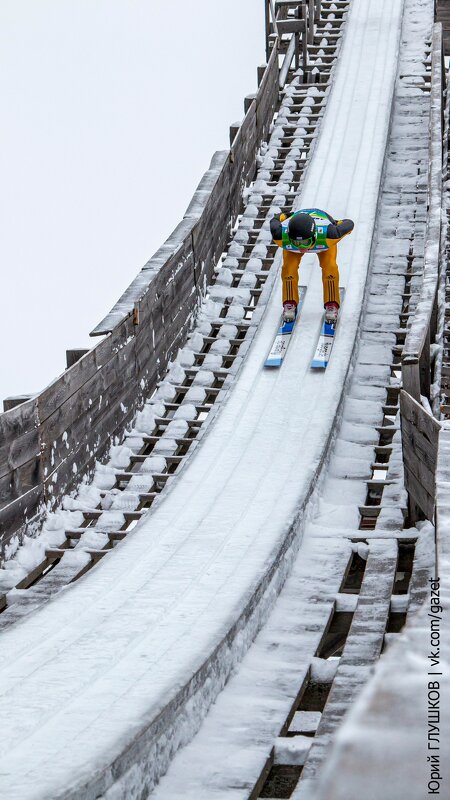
column 289, row 311
column 331, row 313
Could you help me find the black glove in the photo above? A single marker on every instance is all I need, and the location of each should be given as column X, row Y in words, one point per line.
column 276, row 228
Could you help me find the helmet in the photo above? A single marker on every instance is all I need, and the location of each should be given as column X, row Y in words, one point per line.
column 302, row 230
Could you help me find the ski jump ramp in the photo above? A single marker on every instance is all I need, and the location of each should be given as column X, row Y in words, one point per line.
column 126, row 661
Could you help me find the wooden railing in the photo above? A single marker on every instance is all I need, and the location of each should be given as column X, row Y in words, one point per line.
column 300, row 28
column 420, row 435
column 416, row 360
column 420, row 429
column 49, row 441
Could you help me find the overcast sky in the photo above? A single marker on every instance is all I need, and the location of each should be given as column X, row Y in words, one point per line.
column 110, row 113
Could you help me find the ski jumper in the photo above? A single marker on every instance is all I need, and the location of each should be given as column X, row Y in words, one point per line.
column 328, row 233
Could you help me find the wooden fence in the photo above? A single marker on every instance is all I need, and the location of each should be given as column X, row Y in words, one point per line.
column 420, row 435
column 420, row 430
column 48, row 442
column 416, row 361
column 442, row 11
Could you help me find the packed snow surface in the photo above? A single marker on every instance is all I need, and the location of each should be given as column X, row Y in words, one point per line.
column 89, row 671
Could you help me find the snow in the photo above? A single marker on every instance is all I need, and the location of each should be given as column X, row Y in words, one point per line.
column 145, row 420
column 323, row 670
column 204, row 377
column 305, row 722
column 224, row 275
column 154, row 463
column 186, row 357
column 221, row 345
column 141, row 482
column 292, row 751
column 195, row 341
column 120, row 456
column 178, row 428
column 212, row 361
column 254, row 264
column 106, row 658
column 165, row 446
column 195, row 394
column 188, row 410
column 346, row 603
column 176, row 374
column 235, row 312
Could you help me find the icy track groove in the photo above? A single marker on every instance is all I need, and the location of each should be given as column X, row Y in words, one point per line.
column 83, row 677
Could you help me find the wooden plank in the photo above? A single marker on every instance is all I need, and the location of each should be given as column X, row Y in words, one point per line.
column 420, row 446
column 19, row 451
column 420, row 433
column 17, row 514
column 20, row 480
column 418, row 468
column 86, row 431
column 415, row 413
column 72, row 356
column 424, row 566
column 210, row 234
column 11, row 402
column 267, row 97
column 416, row 338
column 291, row 25
column 242, row 157
column 419, row 494
column 66, row 427
column 96, row 441
column 18, row 420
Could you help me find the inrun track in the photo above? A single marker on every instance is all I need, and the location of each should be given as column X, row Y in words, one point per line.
column 257, row 515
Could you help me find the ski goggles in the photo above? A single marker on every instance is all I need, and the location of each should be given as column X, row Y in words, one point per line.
column 304, row 244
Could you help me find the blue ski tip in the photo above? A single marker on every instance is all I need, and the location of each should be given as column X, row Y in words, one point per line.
column 288, row 327
column 274, row 362
column 319, row 364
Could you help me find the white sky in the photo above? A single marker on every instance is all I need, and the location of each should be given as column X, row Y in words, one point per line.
column 111, row 111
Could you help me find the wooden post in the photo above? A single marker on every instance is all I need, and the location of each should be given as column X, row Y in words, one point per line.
column 234, row 128
column 434, row 314
column 305, row 42
column 72, row 356
column 414, row 512
column 248, row 100
column 12, row 402
column 267, row 17
column 411, row 378
column 311, row 22
column 425, row 367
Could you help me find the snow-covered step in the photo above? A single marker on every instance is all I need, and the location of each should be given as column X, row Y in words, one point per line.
column 361, row 651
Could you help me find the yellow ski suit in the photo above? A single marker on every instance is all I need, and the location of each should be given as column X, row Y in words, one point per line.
column 331, row 232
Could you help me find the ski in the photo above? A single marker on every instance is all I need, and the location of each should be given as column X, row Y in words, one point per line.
column 283, row 335
column 325, row 341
